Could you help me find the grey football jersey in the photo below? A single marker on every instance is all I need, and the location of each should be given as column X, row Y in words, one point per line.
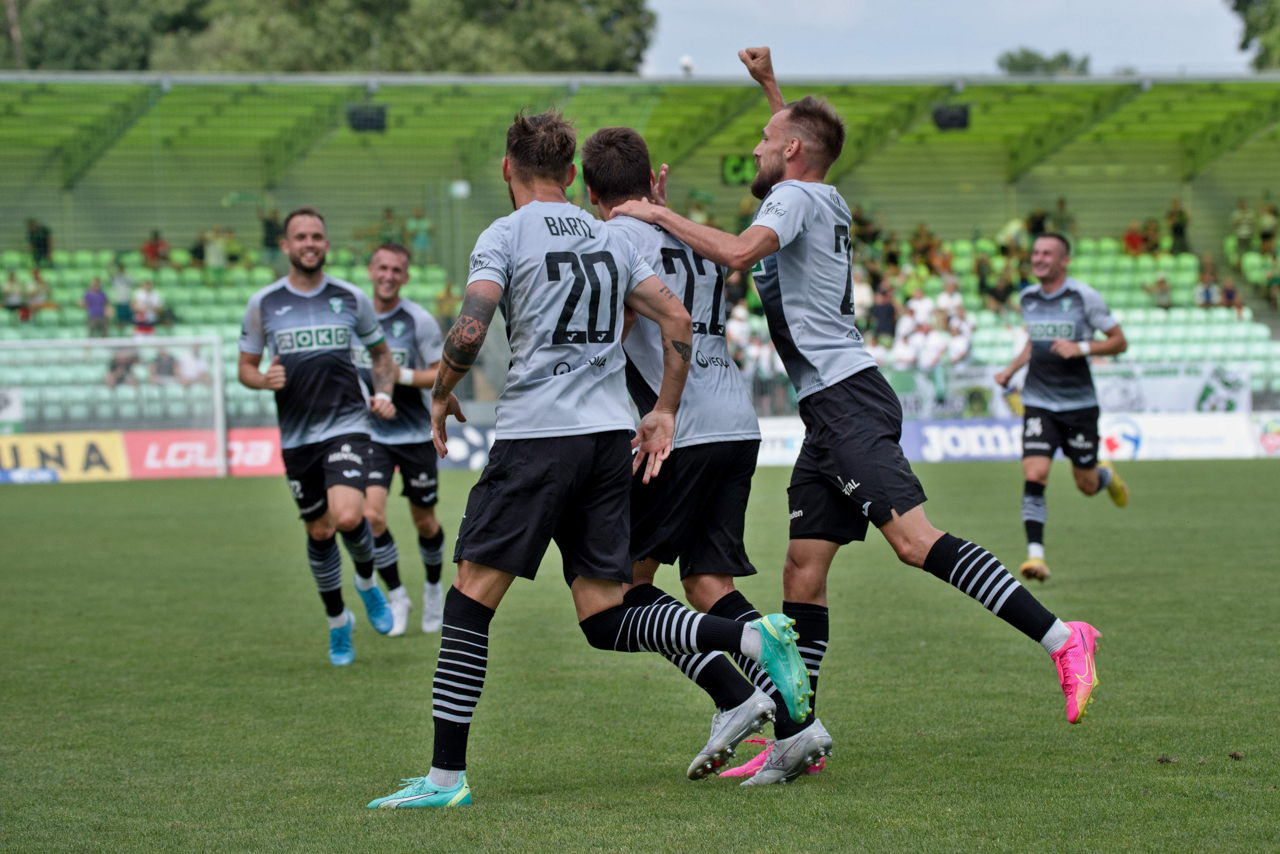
column 415, row 341
column 807, row 285
column 1072, row 312
column 715, row 406
column 313, row 334
column 564, row 279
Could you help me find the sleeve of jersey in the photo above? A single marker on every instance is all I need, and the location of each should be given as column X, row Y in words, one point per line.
column 1097, row 313
column 368, row 329
column 785, row 211
column 491, row 259
column 640, row 268
column 253, row 339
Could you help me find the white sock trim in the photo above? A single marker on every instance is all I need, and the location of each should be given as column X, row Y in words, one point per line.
column 1035, row 550
column 398, row 594
column 443, row 779
column 1056, row 638
column 366, row 583
column 338, row 621
column 752, row 644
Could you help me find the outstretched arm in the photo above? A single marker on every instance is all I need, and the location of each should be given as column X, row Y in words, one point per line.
column 461, row 347
column 652, row 299
column 737, row 252
column 759, row 63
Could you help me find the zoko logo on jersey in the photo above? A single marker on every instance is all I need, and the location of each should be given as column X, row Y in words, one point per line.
column 313, row 338
column 1043, row 330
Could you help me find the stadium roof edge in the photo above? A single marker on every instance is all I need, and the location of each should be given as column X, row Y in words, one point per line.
column 405, row 79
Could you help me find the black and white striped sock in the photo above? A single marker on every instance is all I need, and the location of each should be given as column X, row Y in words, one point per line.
column 975, row 571
column 710, row 671
column 431, row 550
column 1035, row 512
column 734, row 606
column 668, row 628
column 386, row 559
column 359, row 543
column 326, row 568
column 459, row 677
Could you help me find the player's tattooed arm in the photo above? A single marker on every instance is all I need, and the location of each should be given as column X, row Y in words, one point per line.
column 383, row 368
column 466, row 337
column 683, row 348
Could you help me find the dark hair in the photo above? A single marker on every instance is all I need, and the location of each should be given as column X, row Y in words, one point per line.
column 818, row 124
column 305, row 210
column 541, row 146
column 392, row 246
column 1061, row 238
column 615, row 165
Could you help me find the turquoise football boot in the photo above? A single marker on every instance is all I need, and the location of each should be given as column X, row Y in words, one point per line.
column 379, row 611
column 341, row 650
column 781, row 660
column 421, row 792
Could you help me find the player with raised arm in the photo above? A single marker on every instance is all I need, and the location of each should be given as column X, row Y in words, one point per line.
column 404, row 442
column 309, row 321
column 851, row 471
column 696, row 512
column 1061, row 314
column 561, row 467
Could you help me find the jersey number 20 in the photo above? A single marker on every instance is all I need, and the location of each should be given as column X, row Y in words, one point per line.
column 584, row 272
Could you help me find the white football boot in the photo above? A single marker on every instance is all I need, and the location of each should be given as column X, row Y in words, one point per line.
column 727, row 729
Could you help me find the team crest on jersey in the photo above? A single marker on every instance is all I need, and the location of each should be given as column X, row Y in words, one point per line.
column 335, row 303
column 397, row 329
column 1066, row 304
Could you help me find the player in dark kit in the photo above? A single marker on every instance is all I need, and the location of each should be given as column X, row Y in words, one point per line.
column 696, row 512
column 561, row 467
column 851, row 471
column 404, row 442
column 1061, row 314
column 309, row 321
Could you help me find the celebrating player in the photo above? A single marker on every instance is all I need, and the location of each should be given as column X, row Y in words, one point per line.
column 1061, row 314
column 851, row 470
column 695, row 512
column 404, row 442
column 561, row 467
column 309, row 321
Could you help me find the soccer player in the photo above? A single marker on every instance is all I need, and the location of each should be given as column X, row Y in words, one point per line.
column 696, row 512
column 1061, row 314
column 309, row 321
column 851, row 471
column 561, row 467
column 404, row 442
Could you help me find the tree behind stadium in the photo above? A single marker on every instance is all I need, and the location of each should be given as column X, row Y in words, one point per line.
column 333, row 35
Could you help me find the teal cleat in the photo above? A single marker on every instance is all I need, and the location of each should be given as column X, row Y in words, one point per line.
column 421, row 792
column 781, row 660
column 375, row 604
column 341, row 650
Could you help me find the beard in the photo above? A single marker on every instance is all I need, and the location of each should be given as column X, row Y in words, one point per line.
column 769, row 173
column 512, row 195
column 303, row 268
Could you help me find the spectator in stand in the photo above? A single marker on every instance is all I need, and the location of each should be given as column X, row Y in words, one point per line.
column 939, row 257
column 155, row 251
column 892, row 251
column 197, row 250
column 1133, row 241
column 884, row 313
column 1268, row 221
column 122, row 296
column 40, row 239
column 235, row 248
column 1062, row 220
column 120, row 369
column 737, row 333
column 950, row 301
column 1161, row 296
column 1207, row 290
column 417, row 235
column 15, row 297
column 746, row 213
column 147, row 305
column 921, row 306
column 1243, row 224
column 1012, row 237
column 1272, row 287
column 215, row 256
column 95, row 304
column 863, row 298
column 1151, row 237
column 1037, row 224
column 998, row 297
column 962, row 327
column 39, row 294
column 735, row 287
column 164, row 370
column 1231, row 297
column 1179, row 220
column 921, row 240
column 272, row 231
column 192, row 367
column 982, row 269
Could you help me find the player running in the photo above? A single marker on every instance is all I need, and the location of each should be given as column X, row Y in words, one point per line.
column 1061, row 314
column 851, row 471
column 309, row 321
column 561, row 467
column 696, row 512
column 404, row 442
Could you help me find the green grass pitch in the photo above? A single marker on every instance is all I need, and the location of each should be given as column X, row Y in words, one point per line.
column 164, row 686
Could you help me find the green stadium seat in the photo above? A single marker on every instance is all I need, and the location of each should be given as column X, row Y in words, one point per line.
column 203, row 296
column 132, row 259
column 1086, row 246
column 167, row 277
column 83, row 259
column 1258, row 331
column 1108, row 246
column 344, row 257
column 262, row 276
column 237, row 276
column 192, row 277
column 11, row 259
column 1189, row 261
column 103, row 259
column 1166, row 264
column 60, row 257
column 179, row 257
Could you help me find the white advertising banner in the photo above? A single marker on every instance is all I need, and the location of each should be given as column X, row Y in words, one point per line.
column 1181, row 387
column 1266, row 429
column 1173, row 436
column 780, row 439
